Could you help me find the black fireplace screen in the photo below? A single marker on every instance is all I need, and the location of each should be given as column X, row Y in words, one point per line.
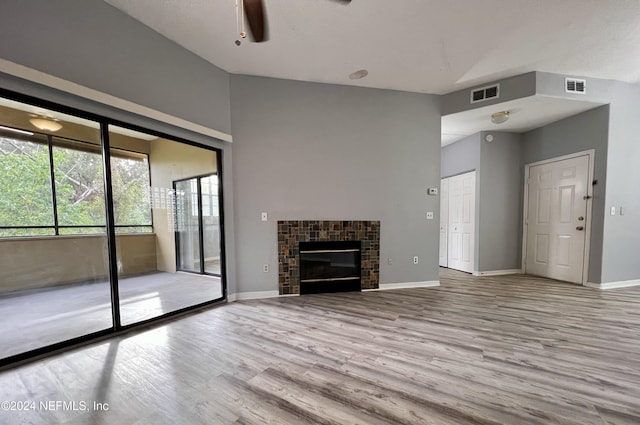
column 329, row 266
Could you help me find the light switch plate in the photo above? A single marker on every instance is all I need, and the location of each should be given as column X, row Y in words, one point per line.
column 264, row 216
column 613, row 210
column 432, row 191
column 430, row 215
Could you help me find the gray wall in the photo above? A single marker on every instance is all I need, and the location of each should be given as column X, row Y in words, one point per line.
column 500, row 206
column 95, row 45
column 588, row 130
column 622, row 233
column 461, row 156
column 597, row 90
column 523, row 85
column 319, row 151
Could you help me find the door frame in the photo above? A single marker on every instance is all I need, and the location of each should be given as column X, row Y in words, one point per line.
column 587, row 221
column 202, row 271
column 446, row 221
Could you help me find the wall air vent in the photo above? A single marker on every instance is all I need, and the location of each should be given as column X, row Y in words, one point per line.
column 574, row 85
column 485, row 93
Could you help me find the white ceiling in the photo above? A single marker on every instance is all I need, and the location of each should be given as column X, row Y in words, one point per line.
column 429, row 46
column 525, row 114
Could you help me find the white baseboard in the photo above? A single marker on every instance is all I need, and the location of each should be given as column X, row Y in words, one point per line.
column 497, row 272
column 238, row 296
column 404, row 285
column 614, row 285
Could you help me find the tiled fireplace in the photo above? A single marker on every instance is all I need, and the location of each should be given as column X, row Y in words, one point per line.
column 292, row 232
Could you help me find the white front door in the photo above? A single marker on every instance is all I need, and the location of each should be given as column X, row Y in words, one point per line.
column 462, row 191
column 444, row 219
column 556, row 219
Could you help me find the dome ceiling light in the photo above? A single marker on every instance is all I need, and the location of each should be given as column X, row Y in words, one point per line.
column 500, row 117
column 45, row 124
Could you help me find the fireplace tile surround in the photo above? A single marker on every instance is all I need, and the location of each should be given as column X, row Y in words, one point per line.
column 292, row 232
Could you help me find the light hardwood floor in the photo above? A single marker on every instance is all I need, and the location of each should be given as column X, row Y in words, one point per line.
column 488, row 350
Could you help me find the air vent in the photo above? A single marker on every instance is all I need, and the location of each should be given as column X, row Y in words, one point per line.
column 485, row 93
column 574, row 85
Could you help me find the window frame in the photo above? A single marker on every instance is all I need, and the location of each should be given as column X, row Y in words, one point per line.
column 37, row 138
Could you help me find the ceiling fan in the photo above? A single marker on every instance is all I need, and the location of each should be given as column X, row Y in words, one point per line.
column 255, row 13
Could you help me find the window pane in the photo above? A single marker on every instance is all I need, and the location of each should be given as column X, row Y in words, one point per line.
column 188, row 225
column 130, row 182
column 79, row 187
column 25, row 185
column 147, row 258
column 52, row 288
column 211, row 223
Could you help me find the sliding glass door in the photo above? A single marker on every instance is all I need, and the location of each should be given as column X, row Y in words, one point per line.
column 88, row 219
column 198, row 225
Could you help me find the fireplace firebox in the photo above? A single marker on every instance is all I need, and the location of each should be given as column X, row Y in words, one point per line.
column 329, row 266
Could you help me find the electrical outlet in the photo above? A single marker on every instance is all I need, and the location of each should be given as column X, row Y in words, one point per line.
column 389, row 261
column 415, row 260
column 430, row 215
column 264, row 216
column 620, row 211
column 265, row 268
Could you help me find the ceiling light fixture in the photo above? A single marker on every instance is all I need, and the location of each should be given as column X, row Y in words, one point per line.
column 45, row 124
column 358, row 74
column 15, row 130
column 499, row 117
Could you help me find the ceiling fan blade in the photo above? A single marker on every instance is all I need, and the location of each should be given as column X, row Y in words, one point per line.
column 254, row 10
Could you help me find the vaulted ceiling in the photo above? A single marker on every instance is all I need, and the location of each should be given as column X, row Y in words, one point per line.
column 426, row 46
column 429, row 46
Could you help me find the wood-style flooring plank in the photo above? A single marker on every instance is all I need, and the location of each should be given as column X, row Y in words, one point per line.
column 476, row 350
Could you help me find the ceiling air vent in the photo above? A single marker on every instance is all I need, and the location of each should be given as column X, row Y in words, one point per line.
column 574, row 85
column 485, row 93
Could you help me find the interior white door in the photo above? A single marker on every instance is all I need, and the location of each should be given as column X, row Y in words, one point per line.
column 455, row 227
column 461, row 240
column 444, row 221
column 556, row 219
column 468, row 220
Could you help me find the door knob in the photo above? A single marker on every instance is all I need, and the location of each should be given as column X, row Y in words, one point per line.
column 580, row 228
column 580, row 218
